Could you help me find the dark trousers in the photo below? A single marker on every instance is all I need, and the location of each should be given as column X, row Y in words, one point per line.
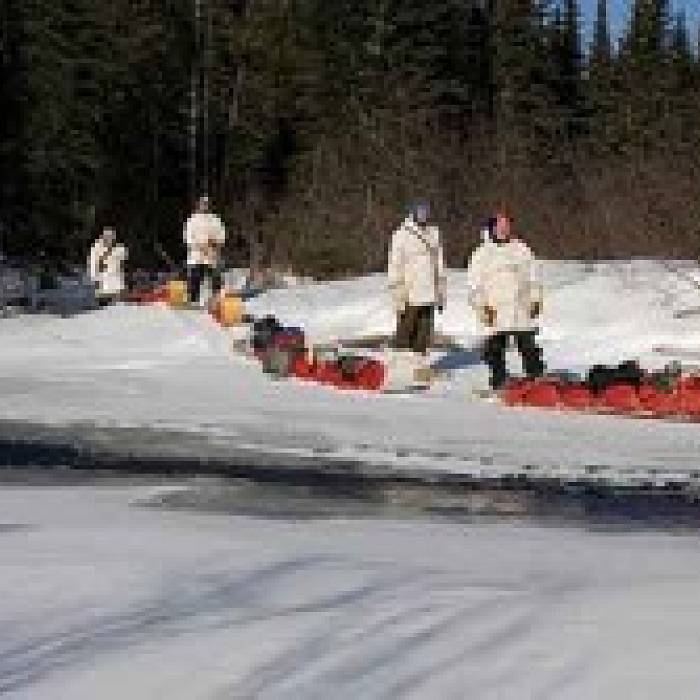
column 414, row 328
column 196, row 274
column 495, row 355
column 103, row 301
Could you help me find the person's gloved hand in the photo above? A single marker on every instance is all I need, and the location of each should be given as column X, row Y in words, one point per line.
column 488, row 316
column 440, row 302
column 399, row 299
column 535, row 309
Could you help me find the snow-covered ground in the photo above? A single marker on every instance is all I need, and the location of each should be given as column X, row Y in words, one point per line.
column 158, row 368
column 103, row 599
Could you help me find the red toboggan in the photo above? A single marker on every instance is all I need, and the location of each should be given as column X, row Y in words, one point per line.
column 680, row 402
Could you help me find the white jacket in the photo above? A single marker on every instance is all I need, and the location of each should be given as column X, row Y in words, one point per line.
column 106, row 267
column 508, row 278
column 204, row 236
column 416, row 269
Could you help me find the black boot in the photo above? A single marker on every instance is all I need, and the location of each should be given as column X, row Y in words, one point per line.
column 495, row 357
column 530, row 353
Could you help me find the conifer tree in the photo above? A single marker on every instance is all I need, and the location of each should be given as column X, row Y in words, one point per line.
column 602, row 89
column 566, row 56
column 600, row 54
column 522, row 79
column 643, row 66
column 11, row 99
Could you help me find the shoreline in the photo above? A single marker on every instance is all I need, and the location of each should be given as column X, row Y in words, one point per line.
column 81, row 452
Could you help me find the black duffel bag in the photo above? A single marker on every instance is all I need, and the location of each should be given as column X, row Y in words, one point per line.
column 264, row 331
column 600, row 377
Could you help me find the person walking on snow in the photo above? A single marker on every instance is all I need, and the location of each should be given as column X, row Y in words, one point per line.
column 416, row 279
column 204, row 236
column 106, row 266
column 505, row 289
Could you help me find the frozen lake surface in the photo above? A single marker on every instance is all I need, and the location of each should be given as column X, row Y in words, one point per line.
column 102, row 596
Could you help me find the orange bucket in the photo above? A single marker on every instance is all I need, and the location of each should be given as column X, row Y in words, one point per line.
column 177, row 293
column 230, row 310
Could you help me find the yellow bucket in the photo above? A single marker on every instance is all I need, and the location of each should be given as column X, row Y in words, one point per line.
column 230, row 311
column 177, row 293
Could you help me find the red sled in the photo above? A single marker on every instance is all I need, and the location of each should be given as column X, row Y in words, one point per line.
column 301, row 368
column 621, row 398
column 370, row 376
column 516, row 392
column 658, row 403
column 577, row 398
column 688, row 391
column 542, row 395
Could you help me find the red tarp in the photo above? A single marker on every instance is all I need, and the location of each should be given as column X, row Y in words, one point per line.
column 647, row 400
column 369, row 374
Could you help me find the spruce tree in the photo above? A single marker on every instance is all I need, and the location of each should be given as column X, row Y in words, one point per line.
column 680, row 119
column 566, row 55
column 60, row 158
column 603, row 89
column 11, row 99
column 600, row 54
column 644, row 71
column 522, row 80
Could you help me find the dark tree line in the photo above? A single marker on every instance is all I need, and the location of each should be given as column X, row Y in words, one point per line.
column 312, row 123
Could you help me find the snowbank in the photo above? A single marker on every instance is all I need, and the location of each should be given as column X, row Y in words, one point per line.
column 157, row 368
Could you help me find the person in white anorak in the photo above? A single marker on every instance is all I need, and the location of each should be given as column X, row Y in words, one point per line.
column 204, row 236
column 505, row 289
column 106, row 266
column 417, row 280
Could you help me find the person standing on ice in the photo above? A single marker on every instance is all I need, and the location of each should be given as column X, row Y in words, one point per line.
column 106, row 266
column 204, row 237
column 417, row 279
column 505, row 289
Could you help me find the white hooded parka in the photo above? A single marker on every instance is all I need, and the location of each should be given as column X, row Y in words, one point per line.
column 507, row 278
column 106, row 267
column 416, row 272
column 204, row 236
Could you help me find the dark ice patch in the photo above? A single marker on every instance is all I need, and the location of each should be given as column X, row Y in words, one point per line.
column 14, row 527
